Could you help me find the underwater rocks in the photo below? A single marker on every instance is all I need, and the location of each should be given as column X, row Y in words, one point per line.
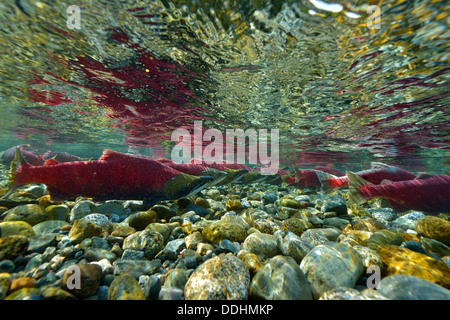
column 229, row 242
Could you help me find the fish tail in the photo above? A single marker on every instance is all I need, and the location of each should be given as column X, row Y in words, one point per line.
column 325, row 179
column 355, row 182
column 16, row 163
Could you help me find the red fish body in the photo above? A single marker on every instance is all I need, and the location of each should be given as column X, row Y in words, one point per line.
column 60, row 156
column 189, row 168
column 429, row 195
column 334, row 172
column 307, row 179
column 114, row 176
column 375, row 175
column 222, row 166
column 31, row 158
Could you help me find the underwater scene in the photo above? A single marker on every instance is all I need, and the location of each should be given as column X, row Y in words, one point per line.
column 224, row 150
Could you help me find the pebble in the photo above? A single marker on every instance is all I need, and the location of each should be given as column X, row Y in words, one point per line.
column 7, row 266
column 49, row 292
column 40, row 242
column 30, row 213
column 83, row 229
column 170, row 294
column 49, row 226
column 9, row 228
column 295, row 225
column 407, row 221
column 25, row 294
column 80, row 209
column 224, row 229
column 148, row 241
column 350, row 294
column 336, row 204
column 223, row 277
column 161, row 228
column 163, row 212
column 384, row 215
column 331, row 265
column 262, row 244
column 434, row 228
column 383, row 237
column 58, row 212
column 5, row 282
column 136, row 268
column 193, row 239
column 292, row 245
column 407, row 287
column 13, row 246
column 140, row 220
column 314, row 237
column 88, row 275
column 280, row 279
column 402, row 260
column 435, row 246
column 99, row 219
column 97, row 254
column 150, row 286
column 125, row 287
column 176, row 278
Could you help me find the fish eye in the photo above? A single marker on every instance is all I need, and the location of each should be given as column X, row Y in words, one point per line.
column 189, row 184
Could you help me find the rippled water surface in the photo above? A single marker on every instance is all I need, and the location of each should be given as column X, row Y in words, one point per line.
column 339, row 92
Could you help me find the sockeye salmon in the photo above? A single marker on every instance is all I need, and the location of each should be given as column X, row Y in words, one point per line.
column 431, row 194
column 375, row 175
column 113, row 176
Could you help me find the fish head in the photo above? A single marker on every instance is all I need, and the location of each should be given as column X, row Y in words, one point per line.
column 233, row 175
column 184, row 185
column 218, row 175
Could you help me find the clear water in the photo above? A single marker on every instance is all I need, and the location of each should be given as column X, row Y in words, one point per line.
column 340, row 93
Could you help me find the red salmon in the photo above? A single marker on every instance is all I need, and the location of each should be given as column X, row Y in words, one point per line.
column 375, row 175
column 113, row 176
column 429, row 195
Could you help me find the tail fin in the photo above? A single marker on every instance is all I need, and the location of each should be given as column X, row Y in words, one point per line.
column 354, row 184
column 17, row 162
column 324, row 179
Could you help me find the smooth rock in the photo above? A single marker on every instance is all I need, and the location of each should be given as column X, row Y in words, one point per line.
column 336, row 204
column 223, row 277
column 402, row 260
column 150, row 286
column 280, row 279
column 99, row 219
column 110, row 207
column 83, row 229
column 262, row 244
column 25, row 294
column 136, row 268
column 314, row 237
column 434, row 228
column 148, row 241
column 88, row 275
column 9, row 228
column 163, row 212
column 292, row 245
column 407, row 287
column 384, row 215
column 13, row 246
column 49, row 226
column 224, row 230
column 58, row 212
column 295, row 225
column 331, row 265
column 40, row 242
column 80, row 209
column 193, row 239
column 384, row 237
column 125, row 287
column 349, row 294
column 140, row 220
column 5, row 282
column 97, row 254
column 176, row 278
column 30, row 213
column 161, row 228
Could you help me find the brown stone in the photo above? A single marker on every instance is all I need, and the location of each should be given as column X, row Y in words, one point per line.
column 434, row 228
column 399, row 260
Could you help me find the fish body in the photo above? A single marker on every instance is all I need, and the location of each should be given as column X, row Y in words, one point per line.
column 113, row 176
column 334, row 172
column 222, row 166
column 196, row 170
column 429, row 195
column 60, row 156
column 375, row 175
column 31, row 158
column 307, row 179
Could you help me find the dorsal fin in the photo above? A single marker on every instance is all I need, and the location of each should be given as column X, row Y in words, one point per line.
column 377, row 165
column 111, row 155
column 164, row 160
column 386, row 181
column 50, row 162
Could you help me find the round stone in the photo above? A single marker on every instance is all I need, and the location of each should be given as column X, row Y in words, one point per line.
column 223, row 277
column 83, row 229
column 49, row 226
column 262, row 244
column 80, row 209
column 434, row 228
column 58, row 212
column 280, row 279
column 148, row 241
column 82, row 280
column 331, row 265
column 13, row 246
column 30, row 213
column 407, row 287
column 140, row 220
column 125, row 287
column 9, row 228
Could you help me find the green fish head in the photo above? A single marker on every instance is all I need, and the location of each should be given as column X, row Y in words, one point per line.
column 185, row 185
column 233, row 175
column 218, row 175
